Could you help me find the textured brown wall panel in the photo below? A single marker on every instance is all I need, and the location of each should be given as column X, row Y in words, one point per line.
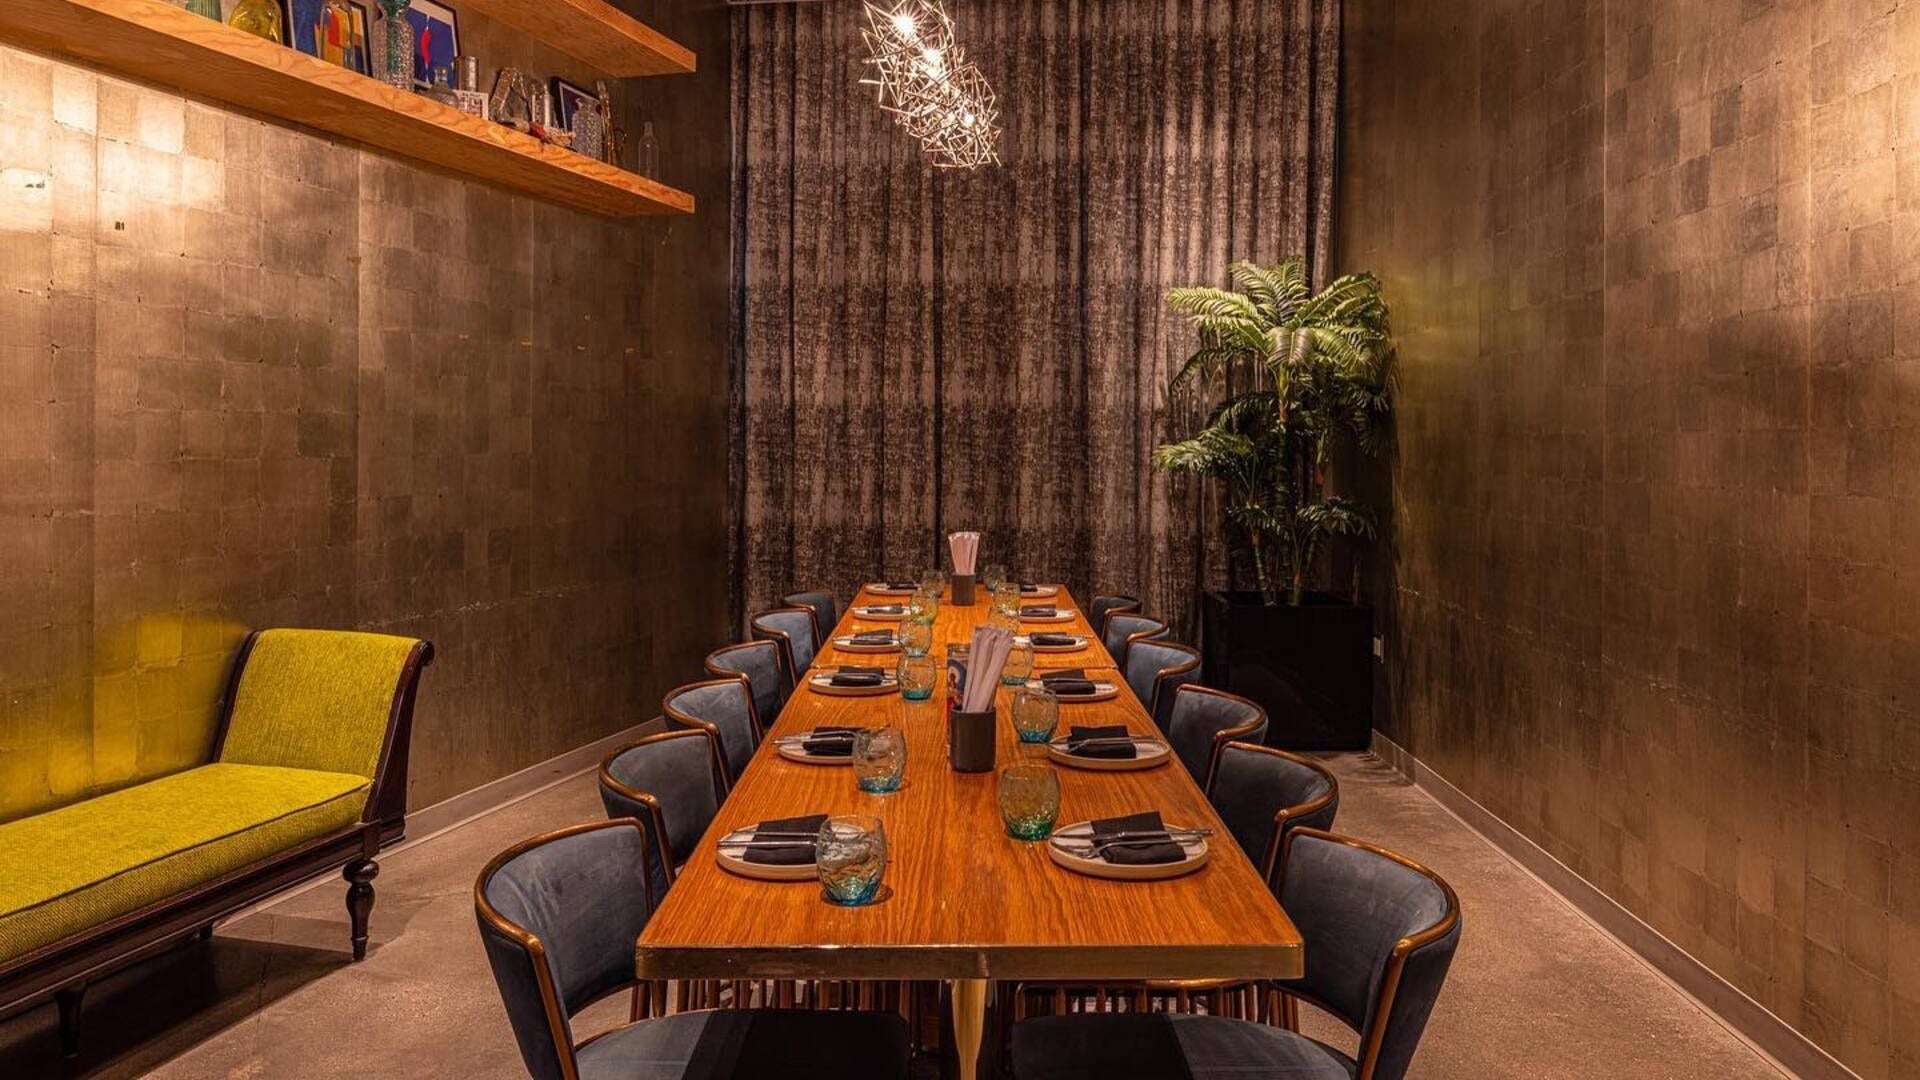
column 1652, row 575
column 253, row 377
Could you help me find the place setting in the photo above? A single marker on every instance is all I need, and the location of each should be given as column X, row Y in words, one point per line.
column 880, row 612
column 869, row 641
column 1108, row 748
column 845, row 853
column 1073, row 686
column 853, row 681
column 1048, row 641
column 1045, row 613
column 1038, row 592
column 892, row 588
column 878, row 755
column 1137, row 847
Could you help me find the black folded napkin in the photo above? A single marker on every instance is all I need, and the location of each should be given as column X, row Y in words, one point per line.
column 830, row 741
column 1024, row 587
column 1141, row 853
column 780, row 853
column 1077, row 742
column 885, row 609
column 1071, row 682
column 1039, row 611
column 1050, row 639
column 859, row 676
column 894, row 586
column 1068, row 673
column 872, row 637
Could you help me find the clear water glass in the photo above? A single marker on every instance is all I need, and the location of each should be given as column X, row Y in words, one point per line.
column 852, row 856
column 992, row 576
column 916, row 637
column 1036, row 714
column 919, row 674
column 933, row 581
column 879, row 759
column 1004, row 621
column 1029, row 801
column 924, row 607
column 1019, row 664
column 1006, row 598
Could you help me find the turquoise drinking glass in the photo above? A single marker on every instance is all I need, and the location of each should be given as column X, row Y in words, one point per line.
column 916, row 637
column 1006, row 598
column 1019, row 664
column 992, row 576
column 1036, row 714
column 925, row 606
column 852, row 856
column 919, row 675
column 1029, row 800
column 879, row 759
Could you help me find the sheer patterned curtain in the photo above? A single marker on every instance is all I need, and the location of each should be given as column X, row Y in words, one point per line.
column 919, row 350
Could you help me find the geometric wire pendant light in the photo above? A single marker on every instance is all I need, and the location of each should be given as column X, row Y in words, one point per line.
column 929, row 86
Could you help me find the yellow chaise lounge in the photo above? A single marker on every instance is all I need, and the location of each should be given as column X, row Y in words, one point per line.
column 309, row 773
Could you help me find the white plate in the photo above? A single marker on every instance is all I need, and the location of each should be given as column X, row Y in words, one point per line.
column 797, row 753
column 1102, row 691
column 822, row 683
column 1057, row 616
column 865, row 611
column 1041, row 593
column 1080, row 646
column 880, row 588
column 1095, row 866
column 846, row 644
column 1145, row 756
column 733, row 864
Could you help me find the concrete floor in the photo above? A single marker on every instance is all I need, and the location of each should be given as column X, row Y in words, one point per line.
column 1535, row 992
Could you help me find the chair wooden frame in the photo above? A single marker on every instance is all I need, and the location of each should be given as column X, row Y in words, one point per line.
column 779, row 661
column 820, row 628
column 686, row 719
column 1161, row 676
column 1157, row 632
column 655, row 813
column 1225, row 735
column 784, row 640
column 1270, row 861
column 1288, row 1011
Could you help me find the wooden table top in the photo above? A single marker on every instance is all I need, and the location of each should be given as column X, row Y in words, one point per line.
column 962, row 899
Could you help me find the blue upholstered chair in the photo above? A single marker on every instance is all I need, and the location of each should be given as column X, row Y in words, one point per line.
column 672, row 784
column 791, row 629
column 723, row 708
column 1103, row 606
column 1154, row 669
column 1202, row 721
column 1380, row 934
column 759, row 663
column 559, row 914
column 1262, row 793
column 826, row 611
column 1123, row 630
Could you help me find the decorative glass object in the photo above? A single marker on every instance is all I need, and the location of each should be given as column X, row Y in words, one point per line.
column 916, row 637
column 509, row 104
column 1029, row 800
column 590, row 131
column 925, row 606
column 208, row 8
column 396, row 57
column 1019, row 664
column 879, row 759
column 852, row 856
column 649, row 163
column 1006, row 597
column 992, row 576
column 1036, row 713
column 918, row 676
column 442, row 88
column 261, row 18
column 467, row 95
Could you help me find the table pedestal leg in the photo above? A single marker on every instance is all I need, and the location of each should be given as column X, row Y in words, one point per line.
column 969, row 1024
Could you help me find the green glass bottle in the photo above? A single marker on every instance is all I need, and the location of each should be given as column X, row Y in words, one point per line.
column 208, row 8
column 261, row 18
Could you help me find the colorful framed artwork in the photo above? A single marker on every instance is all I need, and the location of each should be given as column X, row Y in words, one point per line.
column 567, row 99
column 333, row 30
column 436, row 39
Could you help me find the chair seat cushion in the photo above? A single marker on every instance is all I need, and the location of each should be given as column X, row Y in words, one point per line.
column 1114, row 1046
column 72, row 868
column 793, row 1044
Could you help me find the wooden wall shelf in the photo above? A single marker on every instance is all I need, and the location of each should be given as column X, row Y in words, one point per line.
column 594, row 31
column 156, row 41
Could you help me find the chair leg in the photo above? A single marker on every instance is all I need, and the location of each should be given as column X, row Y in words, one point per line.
column 360, row 874
column 67, row 1000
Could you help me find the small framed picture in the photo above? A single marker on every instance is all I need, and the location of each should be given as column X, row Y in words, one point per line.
column 333, row 30
column 567, row 99
column 436, row 40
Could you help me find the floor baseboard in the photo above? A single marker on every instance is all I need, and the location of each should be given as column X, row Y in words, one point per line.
column 1769, row 1035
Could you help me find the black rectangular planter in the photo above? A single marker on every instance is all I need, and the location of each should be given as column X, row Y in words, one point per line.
column 1309, row 666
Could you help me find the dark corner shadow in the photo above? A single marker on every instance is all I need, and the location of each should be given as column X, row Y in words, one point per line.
column 136, row 1020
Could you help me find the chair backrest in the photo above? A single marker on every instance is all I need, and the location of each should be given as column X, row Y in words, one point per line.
column 723, row 707
column 1154, row 669
column 559, row 915
column 1124, row 629
column 1262, row 793
column 759, row 663
column 1201, row 721
column 317, row 699
column 826, row 611
column 1103, row 606
column 672, row 784
column 792, row 630
column 1380, row 932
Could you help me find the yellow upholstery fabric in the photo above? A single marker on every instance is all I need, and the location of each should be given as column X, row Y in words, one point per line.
column 68, row 869
column 316, row 699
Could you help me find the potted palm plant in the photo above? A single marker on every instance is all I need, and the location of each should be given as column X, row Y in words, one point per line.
column 1286, row 375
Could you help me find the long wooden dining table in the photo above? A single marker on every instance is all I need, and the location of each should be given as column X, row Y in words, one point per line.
column 963, row 901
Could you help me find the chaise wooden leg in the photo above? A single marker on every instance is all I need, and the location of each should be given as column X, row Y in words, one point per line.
column 68, row 1002
column 360, row 874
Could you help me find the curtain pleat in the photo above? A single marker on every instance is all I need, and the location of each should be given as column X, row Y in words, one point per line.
column 923, row 350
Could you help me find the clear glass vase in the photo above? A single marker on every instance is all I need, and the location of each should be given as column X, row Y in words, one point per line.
column 396, row 60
